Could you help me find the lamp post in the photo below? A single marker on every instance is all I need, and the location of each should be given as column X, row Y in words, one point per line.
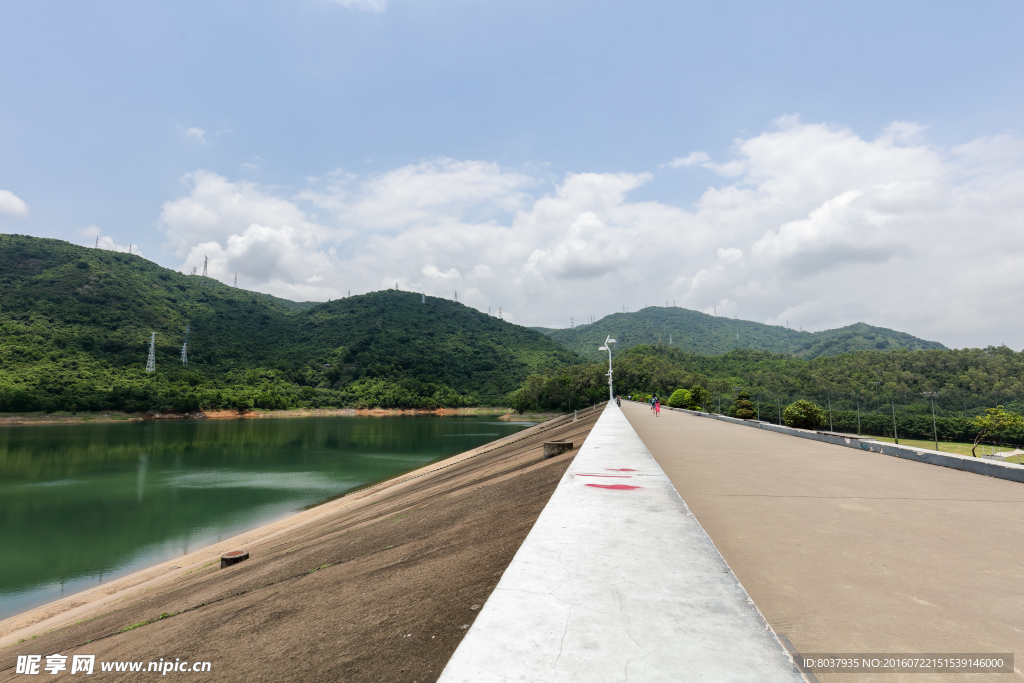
column 895, row 435
column 935, row 429
column 608, row 347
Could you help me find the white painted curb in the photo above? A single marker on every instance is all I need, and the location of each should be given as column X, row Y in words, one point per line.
column 618, row 582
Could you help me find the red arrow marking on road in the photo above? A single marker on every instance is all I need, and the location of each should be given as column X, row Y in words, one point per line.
column 614, row 487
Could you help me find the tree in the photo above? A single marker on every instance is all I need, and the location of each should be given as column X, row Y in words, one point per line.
column 803, row 415
column 743, row 407
column 995, row 422
column 699, row 397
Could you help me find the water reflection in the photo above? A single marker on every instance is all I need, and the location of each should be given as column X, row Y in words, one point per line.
column 141, row 482
column 86, row 503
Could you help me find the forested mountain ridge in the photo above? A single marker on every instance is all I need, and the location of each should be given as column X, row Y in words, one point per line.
column 710, row 335
column 966, row 381
column 75, row 325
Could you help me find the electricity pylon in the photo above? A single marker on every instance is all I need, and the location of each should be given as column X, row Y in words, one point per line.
column 151, row 362
column 184, row 347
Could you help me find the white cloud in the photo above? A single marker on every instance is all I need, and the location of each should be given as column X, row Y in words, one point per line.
column 691, row 159
column 810, row 222
column 244, row 228
column 217, row 208
column 425, row 193
column 194, row 135
column 279, row 259
column 730, row 254
column 435, row 273
column 364, row 5
column 12, row 205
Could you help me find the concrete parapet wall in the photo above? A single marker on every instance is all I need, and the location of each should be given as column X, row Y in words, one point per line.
column 991, row 468
column 617, row 581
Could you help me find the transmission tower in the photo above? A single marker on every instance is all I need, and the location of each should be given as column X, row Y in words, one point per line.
column 456, row 295
column 151, row 361
column 424, row 295
column 205, row 260
column 236, row 279
column 97, row 241
column 184, row 347
column 499, row 313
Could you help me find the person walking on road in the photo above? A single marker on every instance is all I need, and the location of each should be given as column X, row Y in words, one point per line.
column 657, row 407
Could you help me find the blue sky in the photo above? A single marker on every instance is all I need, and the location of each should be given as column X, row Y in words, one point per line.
column 825, row 155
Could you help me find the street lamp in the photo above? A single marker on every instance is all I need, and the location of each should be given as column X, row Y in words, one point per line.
column 608, row 347
column 935, row 429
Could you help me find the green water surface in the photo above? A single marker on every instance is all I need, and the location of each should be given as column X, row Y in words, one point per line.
column 83, row 504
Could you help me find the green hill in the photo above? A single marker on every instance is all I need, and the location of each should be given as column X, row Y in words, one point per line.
column 709, row 335
column 75, row 325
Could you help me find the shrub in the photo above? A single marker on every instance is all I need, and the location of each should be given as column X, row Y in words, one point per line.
column 803, row 415
column 680, row 398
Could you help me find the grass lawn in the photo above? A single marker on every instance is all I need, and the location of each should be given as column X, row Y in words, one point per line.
column 946, row 446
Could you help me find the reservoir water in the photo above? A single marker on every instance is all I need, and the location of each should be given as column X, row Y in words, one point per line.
column 83, row 504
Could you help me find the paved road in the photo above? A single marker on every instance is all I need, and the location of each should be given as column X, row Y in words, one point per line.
column 850, row 551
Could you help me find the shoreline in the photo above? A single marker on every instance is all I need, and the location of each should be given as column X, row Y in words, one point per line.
column 114, row 417
column 93, row 602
